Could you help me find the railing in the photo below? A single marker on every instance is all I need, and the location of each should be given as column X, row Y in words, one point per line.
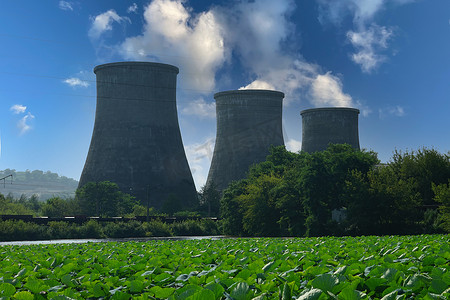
column 82, row 219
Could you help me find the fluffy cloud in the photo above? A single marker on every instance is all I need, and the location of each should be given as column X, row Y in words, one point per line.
column 368, row 43
column 263, row 29
column 327, row 91
column 199, row 156
column 75, row 82
column 18, row 109
column 103, row 22
column 65, row 5
column 194, row 42
column 293, row 145
column 201, row 44
column 23, row 123
column 133, row 8
column 362, row 11
column 200, row 108
column 368, row 39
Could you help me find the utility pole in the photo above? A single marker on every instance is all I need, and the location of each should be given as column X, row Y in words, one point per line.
column 148, row 203
column 4, row 179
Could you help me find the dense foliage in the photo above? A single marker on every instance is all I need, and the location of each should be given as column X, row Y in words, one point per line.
column 103, row 199
column 340, row 191
column 12, row 230
column 407, row 267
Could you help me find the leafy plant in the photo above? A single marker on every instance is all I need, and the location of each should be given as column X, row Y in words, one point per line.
column 389, row 267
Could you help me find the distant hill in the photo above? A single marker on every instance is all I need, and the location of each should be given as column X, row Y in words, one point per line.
column 43, row 184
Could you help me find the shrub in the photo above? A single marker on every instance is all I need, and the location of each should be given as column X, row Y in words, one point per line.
column 12, row 230
column 62, row 230
column 188, row 227
column 157, row 228
column 91, row 229
column 124, row 229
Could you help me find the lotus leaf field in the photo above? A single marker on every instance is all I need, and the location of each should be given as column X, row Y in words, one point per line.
column 390, row 267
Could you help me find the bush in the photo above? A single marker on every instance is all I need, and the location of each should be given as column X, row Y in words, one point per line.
column 157, row 228
column 62, row 230
column 188, row 227
column 91, row 229
column 195, row 227
column 124, row 229
column 11, row 230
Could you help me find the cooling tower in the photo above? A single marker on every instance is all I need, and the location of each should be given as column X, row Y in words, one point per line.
column 321, row 126
column 136, row 141
column 248, row 123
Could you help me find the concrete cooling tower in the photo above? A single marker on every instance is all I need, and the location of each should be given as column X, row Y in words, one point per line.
column 248, row 123
column 136, row 141
column 321, row 126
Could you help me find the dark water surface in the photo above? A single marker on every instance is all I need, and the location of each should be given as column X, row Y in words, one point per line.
column 81, row 241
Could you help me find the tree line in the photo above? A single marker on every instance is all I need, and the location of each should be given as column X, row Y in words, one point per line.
column 340, row 191
column 103, row 199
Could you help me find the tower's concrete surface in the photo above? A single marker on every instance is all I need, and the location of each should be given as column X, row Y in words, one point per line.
column 248, row 123
column 136, row 141
column 321, row 126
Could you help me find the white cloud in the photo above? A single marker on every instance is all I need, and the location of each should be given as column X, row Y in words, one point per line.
column 363, row 108
column 200, row 108
column 201, row 44
column 173, row 34
column 396, row 111
column 65, row 5
column 368, row 43
column 18, row 109
column 326, row 90
column 199, row 156
column 368, row 40
column 293, row 145
column 103, row 22
column 362, row 11
column 23, row 123
column 74, row 82
column 133, row 8
column 264, row 27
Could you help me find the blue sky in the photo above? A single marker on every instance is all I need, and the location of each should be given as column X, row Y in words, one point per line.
column 389, row 58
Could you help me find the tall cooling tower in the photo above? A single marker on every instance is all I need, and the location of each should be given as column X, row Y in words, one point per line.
column 248, row 123
column 321, row 126
column 136, row 141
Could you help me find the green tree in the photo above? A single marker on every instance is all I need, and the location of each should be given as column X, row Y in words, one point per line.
column 9, row 206
column 103, row 199
column 380, row 203
column 442, row 196
column 426, row 167
column 209, row 198
column 258, row 205
column 322, row 177
column 230, row 209
column 58, row 207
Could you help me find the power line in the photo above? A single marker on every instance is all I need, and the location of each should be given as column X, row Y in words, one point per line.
column 4, row 179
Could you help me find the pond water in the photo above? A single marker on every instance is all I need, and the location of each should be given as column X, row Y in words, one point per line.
column 80, row 241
